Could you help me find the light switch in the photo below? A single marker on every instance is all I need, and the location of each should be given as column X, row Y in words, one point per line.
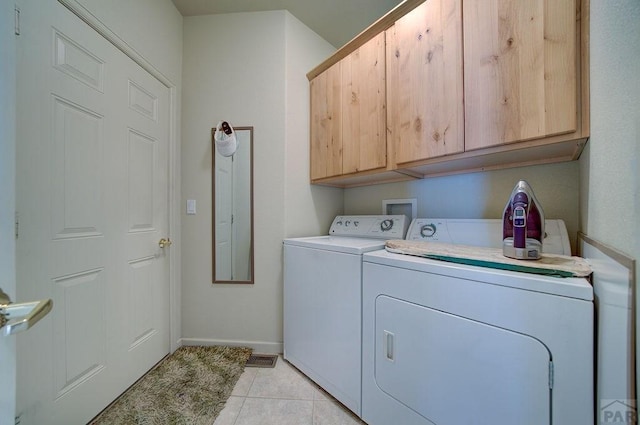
column 191, row 206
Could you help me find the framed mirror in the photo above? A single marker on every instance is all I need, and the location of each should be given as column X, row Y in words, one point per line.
column 233, row 210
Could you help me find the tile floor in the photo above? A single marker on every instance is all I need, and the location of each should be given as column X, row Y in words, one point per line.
column 282, row 396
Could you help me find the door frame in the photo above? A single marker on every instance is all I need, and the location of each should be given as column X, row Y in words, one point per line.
column 7, row 201
column 174, row 165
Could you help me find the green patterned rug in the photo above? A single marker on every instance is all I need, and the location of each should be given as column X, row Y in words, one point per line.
column 191, row 386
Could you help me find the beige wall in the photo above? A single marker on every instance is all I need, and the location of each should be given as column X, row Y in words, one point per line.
column 247, row 68
column 479, row 195
column 308, row 210
column 610, row 183
column 610, row 166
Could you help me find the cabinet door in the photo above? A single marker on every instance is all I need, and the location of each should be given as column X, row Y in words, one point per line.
column 363, row 108
column 424, row 90
column 326, row 127
column 519, row 70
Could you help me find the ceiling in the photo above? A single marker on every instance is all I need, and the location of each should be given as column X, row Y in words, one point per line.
column 337, row 21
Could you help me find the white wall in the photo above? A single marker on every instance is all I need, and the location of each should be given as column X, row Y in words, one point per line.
column 7, row 201
column 239, row 67
column 479, row 195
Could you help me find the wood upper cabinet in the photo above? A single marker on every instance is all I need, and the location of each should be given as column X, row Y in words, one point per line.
column 364, row 108
column 326, row 127
column 470, row 85
column 425, row 83
column 348, row 114
column 519, row 70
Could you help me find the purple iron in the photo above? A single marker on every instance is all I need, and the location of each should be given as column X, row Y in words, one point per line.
column 523, row 224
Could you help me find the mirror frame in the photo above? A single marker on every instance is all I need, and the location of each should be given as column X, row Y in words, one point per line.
column 213, row 210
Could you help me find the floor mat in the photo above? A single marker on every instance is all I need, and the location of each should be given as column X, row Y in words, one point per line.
column 191, row 386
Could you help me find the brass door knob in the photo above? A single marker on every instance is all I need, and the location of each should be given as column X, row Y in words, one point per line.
column 164, row 243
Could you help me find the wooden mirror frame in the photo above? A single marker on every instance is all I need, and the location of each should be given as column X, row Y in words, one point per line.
column 213, row 210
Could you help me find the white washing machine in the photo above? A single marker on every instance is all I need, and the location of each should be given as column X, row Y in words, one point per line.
column 450, row 344
column 323, row 299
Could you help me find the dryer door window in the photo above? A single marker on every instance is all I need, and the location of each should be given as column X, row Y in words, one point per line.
column 452, row 370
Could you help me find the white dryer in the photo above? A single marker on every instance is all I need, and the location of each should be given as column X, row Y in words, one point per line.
column 449, row 344
column 323, row 299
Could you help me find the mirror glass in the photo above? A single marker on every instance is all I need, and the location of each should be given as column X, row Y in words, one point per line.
column 233, row 211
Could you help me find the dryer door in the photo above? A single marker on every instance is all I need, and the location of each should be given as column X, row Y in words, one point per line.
column 452, row 370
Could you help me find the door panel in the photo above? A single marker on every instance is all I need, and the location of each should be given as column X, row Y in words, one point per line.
column 79, row 329
column 92, row 184
column 77, row 188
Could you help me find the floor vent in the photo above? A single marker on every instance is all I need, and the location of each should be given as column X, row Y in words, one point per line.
column 262, row 360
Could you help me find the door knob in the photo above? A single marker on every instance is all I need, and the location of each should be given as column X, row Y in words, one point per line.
column 4, row 301
column 163, row 243
column 19, row 317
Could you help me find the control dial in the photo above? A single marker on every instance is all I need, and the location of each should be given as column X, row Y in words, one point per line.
column 428, row 230
column 386, row 225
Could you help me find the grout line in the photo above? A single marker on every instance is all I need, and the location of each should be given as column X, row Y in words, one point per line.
column 280, row 398
column 239, row 411
column 313, row 413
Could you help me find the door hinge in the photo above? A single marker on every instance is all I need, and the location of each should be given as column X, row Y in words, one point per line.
column 17, row 421
column 550, row 375
column 17, row 225
column 17, row 21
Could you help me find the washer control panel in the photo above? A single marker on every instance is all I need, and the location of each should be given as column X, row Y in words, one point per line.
column 370, row 226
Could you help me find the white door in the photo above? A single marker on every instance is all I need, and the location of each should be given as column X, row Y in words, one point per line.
column 7, row 202
column 92, row 184
column 224, row 216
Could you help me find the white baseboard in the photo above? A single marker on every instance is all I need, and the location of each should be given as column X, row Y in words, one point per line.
column 263, row 347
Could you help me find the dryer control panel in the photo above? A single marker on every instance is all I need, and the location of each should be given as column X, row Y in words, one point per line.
column 370, row 226
column 483, row 232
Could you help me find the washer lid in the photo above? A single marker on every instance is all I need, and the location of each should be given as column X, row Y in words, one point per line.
column 343, row 244
column 571, row 287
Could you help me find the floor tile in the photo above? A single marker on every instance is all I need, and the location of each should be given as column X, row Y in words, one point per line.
column 330, row 412
column 282, row 395
column 245, row 381
column 283, row 381
column 264, row 411
column 230, row 412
